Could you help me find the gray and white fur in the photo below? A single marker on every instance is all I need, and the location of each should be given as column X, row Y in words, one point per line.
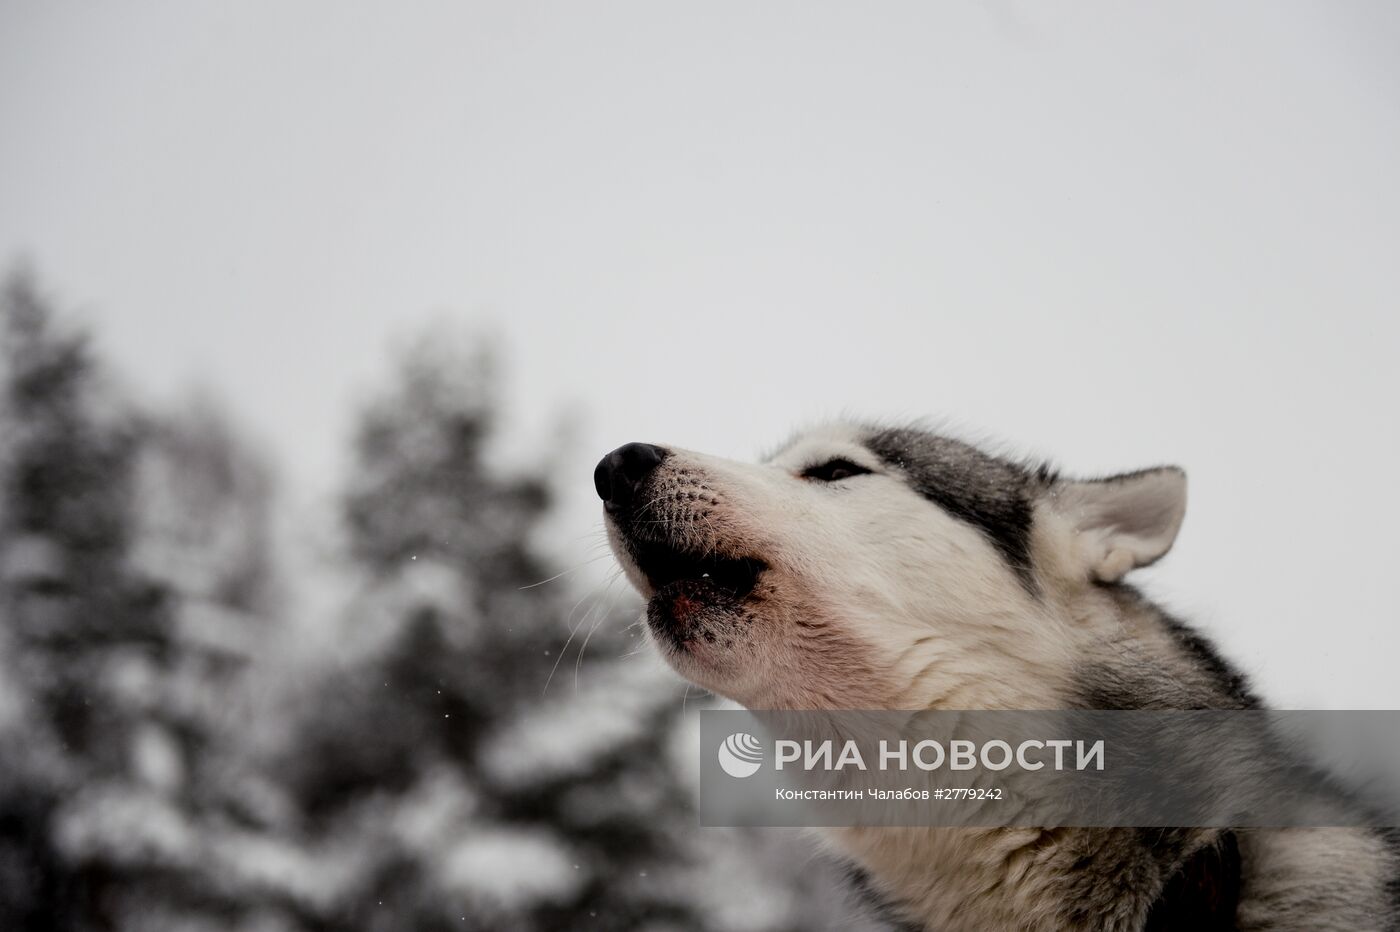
column 864, row 567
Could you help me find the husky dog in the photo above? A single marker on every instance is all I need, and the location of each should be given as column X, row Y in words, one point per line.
column 866, row 567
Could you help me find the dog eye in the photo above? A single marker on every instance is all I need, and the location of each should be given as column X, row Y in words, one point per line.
column 834, row 471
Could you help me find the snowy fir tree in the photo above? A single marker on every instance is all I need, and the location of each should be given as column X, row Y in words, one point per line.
column 494, row 804
column 118, row 684
column 78, row 627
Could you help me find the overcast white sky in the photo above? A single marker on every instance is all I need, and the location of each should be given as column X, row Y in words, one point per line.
column 1114, row 233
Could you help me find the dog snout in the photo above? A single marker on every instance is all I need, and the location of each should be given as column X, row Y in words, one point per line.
column 621, row 474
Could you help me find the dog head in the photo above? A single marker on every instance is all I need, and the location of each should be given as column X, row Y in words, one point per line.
column 863, row 567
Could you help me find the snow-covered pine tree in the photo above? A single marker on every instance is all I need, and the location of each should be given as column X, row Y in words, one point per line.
column 490, row 806
column 79, row 628
column 125, row 632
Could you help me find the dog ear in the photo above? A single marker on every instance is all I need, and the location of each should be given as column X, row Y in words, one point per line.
column 1124, row 521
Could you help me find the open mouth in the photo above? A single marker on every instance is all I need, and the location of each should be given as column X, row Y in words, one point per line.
column 665, row 566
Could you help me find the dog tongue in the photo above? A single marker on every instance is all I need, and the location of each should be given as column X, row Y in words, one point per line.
column 683, row 606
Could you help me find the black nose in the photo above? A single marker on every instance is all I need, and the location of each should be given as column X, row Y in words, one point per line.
column 621, row 473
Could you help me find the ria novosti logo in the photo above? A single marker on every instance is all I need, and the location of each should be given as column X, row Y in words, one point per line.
column 741, row 755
